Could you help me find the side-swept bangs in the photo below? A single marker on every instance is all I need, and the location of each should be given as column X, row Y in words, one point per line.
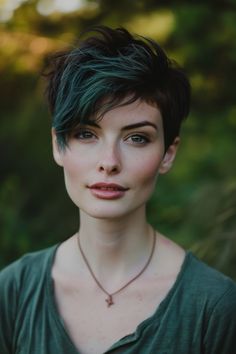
column 110, row 68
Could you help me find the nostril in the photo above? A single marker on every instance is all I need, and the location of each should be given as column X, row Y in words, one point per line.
column 107, row 168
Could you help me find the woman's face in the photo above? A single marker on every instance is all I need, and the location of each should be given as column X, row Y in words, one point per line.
column 111, row 167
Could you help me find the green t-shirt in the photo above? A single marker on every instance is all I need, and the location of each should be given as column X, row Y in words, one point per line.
column 197, row 316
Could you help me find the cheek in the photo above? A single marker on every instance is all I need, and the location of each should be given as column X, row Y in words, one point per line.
column 74, row 170
column 146, row 171
column 75, row 164
column 145, row 177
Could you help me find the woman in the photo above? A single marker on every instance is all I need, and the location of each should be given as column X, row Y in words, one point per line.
column 117, row 285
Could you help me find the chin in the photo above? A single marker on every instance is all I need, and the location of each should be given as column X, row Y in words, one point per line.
column 111, row 212
column 105, row 213
column 111, row 209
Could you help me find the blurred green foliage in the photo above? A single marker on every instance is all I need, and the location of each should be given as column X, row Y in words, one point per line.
column 196, row 203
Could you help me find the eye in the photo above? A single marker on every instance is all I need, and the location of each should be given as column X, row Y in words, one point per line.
column 138, row 139
column 84, row 134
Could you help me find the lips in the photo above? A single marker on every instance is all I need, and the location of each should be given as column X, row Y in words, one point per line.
column 108, row 186
column 107, row 190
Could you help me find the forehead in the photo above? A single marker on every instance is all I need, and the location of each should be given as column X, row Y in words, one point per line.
column 130, row 113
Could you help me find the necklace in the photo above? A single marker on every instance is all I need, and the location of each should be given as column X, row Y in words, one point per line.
column 109, row 299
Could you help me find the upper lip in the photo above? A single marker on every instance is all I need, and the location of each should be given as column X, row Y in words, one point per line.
column 103, row 185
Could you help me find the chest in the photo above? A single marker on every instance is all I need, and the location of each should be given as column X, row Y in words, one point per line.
column 92, row 326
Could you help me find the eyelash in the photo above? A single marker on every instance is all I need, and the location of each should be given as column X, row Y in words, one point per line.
column 85, row 134
column 144, row 139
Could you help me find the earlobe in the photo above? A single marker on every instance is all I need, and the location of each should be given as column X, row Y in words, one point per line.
column 55, row 149
column 169, row 156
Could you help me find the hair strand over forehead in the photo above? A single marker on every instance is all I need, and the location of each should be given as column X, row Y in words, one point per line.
column 111, row 67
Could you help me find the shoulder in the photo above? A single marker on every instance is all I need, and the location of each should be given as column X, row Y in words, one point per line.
column 202, row 278
column 217, row 295
column 208, row 297
column 20, row 283
column 30, row 264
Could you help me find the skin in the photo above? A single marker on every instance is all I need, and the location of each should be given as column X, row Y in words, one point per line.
column 112, row 152
column 114, row 233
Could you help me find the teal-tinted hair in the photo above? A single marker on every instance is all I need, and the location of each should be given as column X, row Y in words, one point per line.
column 109, row 68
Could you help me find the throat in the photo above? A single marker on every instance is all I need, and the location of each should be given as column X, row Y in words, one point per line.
column 134, row 274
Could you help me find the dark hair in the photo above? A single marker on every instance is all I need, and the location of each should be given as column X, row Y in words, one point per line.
column 108, row 66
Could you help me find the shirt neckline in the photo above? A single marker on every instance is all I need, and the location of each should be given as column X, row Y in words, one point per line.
column 156, row 316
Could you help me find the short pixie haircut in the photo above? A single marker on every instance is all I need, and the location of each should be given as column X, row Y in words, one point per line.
column 109, row 68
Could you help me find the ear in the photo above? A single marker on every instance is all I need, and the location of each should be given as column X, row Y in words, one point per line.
column 57, row 154
column 169, row 156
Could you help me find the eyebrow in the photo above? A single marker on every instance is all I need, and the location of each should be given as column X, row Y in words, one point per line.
column 128, row 127
column 138, row 125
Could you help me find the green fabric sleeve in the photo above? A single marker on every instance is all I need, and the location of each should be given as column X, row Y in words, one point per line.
column 220, row 336
column 8, row 305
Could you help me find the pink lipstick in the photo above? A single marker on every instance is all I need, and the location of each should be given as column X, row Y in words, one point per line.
column 107, row 190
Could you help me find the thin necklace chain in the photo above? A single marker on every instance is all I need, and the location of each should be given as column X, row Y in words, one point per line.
column 109, row 299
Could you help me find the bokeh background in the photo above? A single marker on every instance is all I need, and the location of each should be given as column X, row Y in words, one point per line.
column 195, row 204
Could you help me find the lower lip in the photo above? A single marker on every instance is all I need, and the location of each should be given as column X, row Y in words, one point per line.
column 107, row 194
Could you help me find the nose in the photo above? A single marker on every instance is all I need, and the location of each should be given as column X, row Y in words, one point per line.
column 109, row 161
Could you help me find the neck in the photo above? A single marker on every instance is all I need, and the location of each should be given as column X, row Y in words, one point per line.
column 113, row 248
